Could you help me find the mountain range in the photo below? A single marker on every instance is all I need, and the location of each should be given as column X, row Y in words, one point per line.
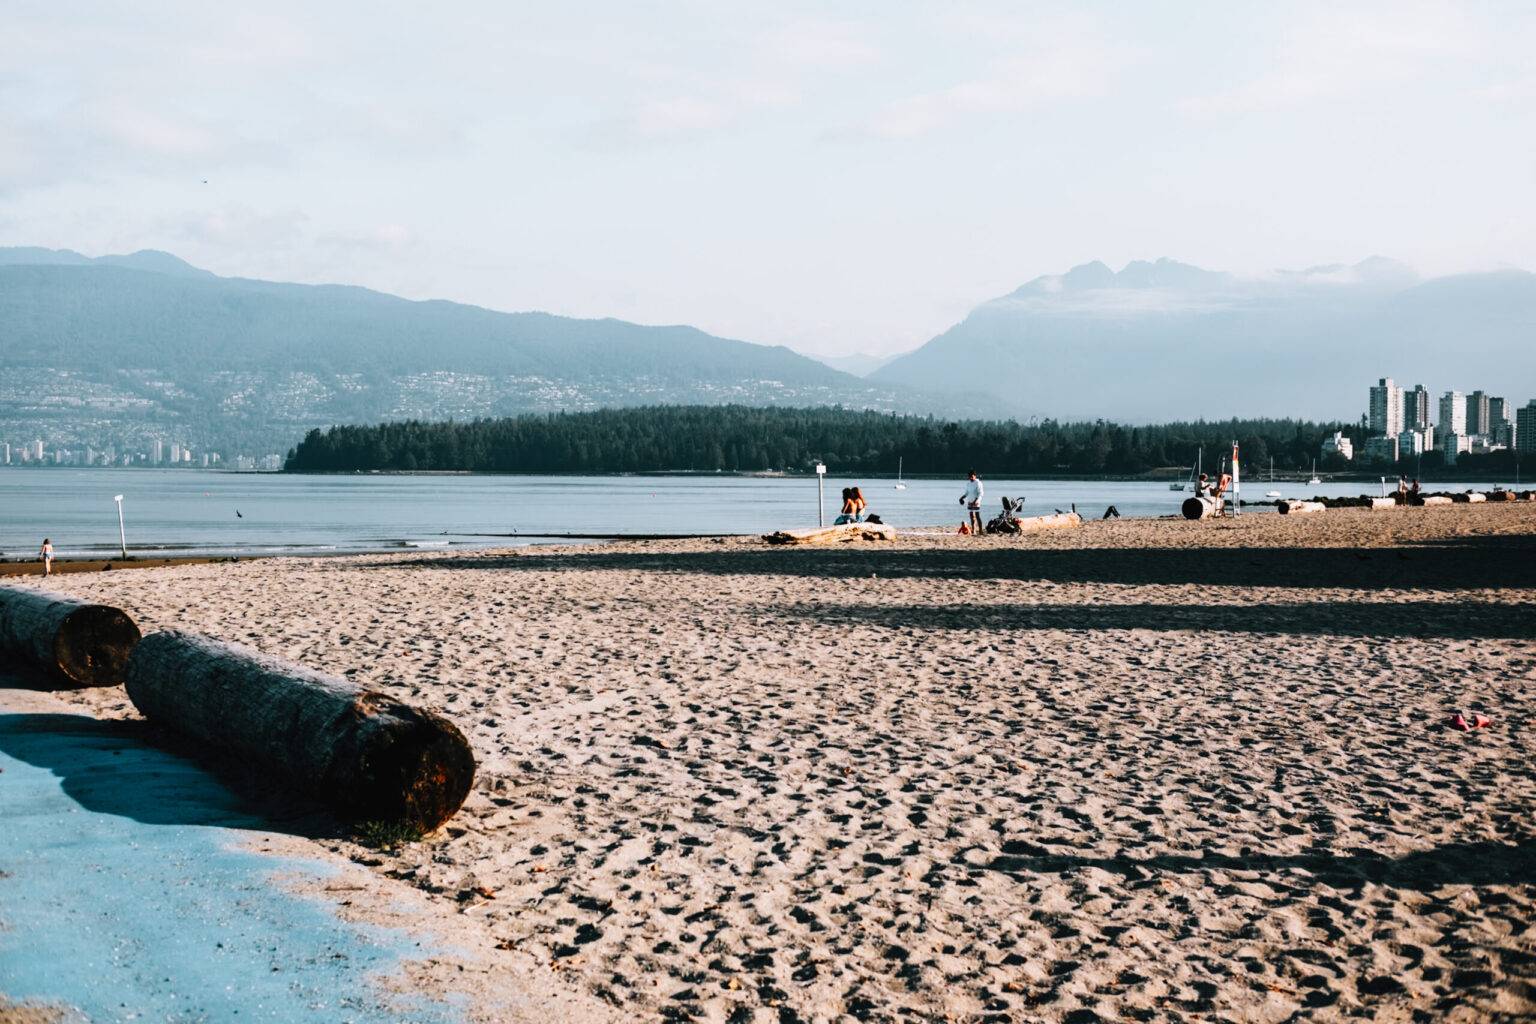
column 147, row 344
column 1165, row 340
column 102, row 350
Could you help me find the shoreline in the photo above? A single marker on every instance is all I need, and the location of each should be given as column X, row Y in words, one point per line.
column 1136, row 768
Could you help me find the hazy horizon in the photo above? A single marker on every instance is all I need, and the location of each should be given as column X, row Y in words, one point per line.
column 837, row 185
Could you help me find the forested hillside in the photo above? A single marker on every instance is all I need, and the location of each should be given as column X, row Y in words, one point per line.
column 740, row 438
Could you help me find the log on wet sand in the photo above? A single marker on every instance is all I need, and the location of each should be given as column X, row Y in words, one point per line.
column 1298, row 508
column 833, row 534
column 367, row 755
column 73, row 643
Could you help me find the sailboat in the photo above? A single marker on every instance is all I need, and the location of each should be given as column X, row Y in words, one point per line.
column 1271, row 493
column 1194, row 474
column 899, row 485
column 1314, row 481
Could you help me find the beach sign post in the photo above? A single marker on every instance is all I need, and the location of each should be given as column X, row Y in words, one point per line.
column 821, row 504
column 122, row 536
column 1237, row 485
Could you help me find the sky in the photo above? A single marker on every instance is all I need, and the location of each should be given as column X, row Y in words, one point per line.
column 835, row 177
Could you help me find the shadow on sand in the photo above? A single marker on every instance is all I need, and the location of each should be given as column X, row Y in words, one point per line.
column 1436, row 619
column 1478, row 863
column 1460, row 563
column 124, row 769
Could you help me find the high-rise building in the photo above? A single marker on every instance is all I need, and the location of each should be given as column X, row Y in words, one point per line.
column 1477, row 414
column 5, row 453
column 1453, row 414
column 1525, row 427
column 1501, row 425
column 1386, row 408
column 1380, row 449
column 175, row 453
column 37, row 450
column 1416, row 409
column 157, row 454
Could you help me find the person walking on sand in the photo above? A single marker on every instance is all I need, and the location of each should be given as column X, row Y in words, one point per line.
column 46, row 554
column 971, row 499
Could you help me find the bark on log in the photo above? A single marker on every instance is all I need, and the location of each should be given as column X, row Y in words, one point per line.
column 369, row 756
column 1469, row 498
column 1384, row 503
column 1298, row 508
column 1198, row 508
column 1436, row 499
column 73, row 643
column 833, row 534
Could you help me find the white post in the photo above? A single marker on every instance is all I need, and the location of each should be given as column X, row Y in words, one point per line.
column 122, row 537
column 1237, row 485
column 821, row 507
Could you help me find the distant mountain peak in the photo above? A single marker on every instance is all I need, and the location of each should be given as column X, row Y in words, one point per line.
column 1096, row 275
column 153, row 260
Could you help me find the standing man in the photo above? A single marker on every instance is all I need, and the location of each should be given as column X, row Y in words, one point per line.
column 971, row 499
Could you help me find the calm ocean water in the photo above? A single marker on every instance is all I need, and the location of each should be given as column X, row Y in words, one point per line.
column 194, row 512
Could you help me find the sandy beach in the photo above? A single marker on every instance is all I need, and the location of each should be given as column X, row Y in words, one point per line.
column 1141, row 770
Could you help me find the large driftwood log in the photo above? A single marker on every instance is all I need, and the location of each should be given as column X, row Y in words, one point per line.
column 1056, row 521
column 1435, row 499
column 1470, row 497
column 1383, row 502
column 369, row 756
column 1198, row 507
column 833, row 534
column 1502, row 496
column 1298, row 508
column 73, row 643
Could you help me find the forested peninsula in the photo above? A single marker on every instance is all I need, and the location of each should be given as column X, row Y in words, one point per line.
column 734, row 438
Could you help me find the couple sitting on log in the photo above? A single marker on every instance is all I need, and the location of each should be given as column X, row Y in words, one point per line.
column 1215, row 491
column 855, row 509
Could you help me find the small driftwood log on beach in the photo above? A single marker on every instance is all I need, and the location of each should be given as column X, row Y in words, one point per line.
column 1383, row 503
column 1470, row 498
column 367, row 755
column 833, row 534
column 1298, row 508
column 1435, row 499
column 73, row 643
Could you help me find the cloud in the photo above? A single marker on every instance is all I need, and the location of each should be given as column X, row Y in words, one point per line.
column 1046, row 63
column 1338, row 53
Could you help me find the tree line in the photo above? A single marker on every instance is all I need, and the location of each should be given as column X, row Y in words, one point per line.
column 735, row 438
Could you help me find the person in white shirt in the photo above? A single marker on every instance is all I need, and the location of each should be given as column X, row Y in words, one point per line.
column 971, row 499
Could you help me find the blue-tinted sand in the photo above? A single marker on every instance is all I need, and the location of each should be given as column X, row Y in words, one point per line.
column 125, row 893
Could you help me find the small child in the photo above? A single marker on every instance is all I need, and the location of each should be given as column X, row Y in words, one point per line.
column 46, row 553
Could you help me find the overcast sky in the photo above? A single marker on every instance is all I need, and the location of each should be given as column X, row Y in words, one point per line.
column 834, row 177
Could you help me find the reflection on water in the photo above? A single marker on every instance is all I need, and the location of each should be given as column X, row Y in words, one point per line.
column 195, row 512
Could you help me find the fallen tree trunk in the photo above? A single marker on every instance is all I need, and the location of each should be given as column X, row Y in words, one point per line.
column 73, row 643
column 1299, row 508
column 1383, row 503
column 1502, row 496
column 369, row 756
column 1198, row 508
column 1056, row 521
column 1436, row 499
column 1469, row 498
column 833, row 534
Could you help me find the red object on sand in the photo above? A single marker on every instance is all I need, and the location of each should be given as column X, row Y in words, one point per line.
column 1481, row 721
column 1460, row 722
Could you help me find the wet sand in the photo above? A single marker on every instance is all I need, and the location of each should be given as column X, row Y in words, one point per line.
column 1144, row 770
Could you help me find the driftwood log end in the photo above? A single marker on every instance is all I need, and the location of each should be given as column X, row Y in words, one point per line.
column 1198, row 508
column 73, row 643
column 367, row 755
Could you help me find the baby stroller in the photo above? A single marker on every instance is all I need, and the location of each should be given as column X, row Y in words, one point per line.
column 1008, row 522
